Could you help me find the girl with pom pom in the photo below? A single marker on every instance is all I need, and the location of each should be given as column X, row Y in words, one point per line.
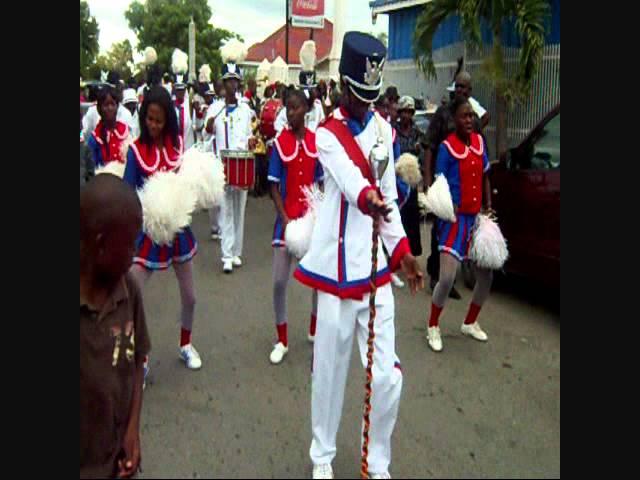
column 293, row 165
column 462, row 159
column 159, row 149
column 110, row 139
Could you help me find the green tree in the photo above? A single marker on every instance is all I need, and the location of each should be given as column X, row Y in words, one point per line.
column 119, row 59
column 529, row 16
column 164, row 25
column 89, row 33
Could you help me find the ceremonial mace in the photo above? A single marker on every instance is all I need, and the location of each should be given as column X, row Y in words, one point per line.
column 378, row 161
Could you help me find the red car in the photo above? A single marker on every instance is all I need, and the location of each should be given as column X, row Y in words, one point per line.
column 526, row 197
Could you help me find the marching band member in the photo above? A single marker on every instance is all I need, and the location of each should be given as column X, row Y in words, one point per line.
column 293, row 165
column 185, row 127
column 92, row 117
column 229, row 122
column 338, row 262
column 158, row 149
column 106, row 141
column 462, row 159
column 130, row 102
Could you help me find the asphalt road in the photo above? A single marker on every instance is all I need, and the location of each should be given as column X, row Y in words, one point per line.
column 474, row 410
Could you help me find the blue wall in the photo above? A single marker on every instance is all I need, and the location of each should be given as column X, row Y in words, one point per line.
column 402, row 24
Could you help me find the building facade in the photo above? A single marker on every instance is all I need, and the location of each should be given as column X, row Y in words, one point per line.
column 449, row 45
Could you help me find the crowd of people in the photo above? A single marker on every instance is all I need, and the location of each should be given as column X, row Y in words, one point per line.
column 314, row 133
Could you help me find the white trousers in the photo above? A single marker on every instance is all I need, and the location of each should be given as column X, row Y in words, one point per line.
column 337, row 323
column 232, row 222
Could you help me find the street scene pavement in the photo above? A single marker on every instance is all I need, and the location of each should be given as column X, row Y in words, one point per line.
column 474, row 410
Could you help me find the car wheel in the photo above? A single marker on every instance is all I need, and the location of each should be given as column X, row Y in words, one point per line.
column 468, row 275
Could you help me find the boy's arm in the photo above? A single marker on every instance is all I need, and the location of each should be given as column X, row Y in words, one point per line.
column 128, row 465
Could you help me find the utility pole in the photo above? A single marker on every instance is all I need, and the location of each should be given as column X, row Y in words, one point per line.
column 286, row 35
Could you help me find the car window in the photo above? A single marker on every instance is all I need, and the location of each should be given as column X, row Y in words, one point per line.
column 546, row 149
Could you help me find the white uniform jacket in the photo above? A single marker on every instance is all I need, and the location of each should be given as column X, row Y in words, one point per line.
column 231, row 127
column 339, row 257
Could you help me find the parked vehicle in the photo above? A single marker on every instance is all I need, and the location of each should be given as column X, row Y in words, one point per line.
column 526, row 197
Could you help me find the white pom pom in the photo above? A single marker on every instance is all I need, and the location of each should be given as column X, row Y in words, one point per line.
column 439, row 200
column 167, row 205
column 150, row 56
column 179, row 62
column 203, row 174
column 233, row 51
column 297, row 235
column 488, row 246
column 114, row 168
column 308, row 55
column 408, row 169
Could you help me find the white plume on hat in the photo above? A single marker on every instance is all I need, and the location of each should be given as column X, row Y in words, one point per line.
column 234, row 51
column 150, row 56
column 205, row 74
column 179, row 62
column 308, row 55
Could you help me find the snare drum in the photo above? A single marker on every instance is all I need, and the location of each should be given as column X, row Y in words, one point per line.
column 239, row 168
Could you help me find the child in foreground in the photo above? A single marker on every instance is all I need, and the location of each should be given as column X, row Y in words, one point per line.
column 113, row 331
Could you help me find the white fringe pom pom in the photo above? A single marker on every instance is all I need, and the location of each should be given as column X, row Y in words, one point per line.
column 439, row 200
column 114, row 168
column 179, row 62
column 488, row 246
column 408, row 169
column 297, row 235
column 167, row 205
column 203, row 174
column 150, row 56
column 233, row 51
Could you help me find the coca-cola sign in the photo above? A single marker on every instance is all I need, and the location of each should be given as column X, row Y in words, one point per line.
column 307, row 13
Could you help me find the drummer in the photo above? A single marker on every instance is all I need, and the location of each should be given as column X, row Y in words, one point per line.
column 229, row 123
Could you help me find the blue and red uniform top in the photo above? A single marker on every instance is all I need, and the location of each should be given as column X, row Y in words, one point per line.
column 464, row 166
column 143, row 161
column 111, row 150
column 293, row 165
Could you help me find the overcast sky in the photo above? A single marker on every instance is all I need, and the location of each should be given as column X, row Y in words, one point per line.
column 253, row 19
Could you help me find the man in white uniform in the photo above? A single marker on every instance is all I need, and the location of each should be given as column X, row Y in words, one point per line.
column 185, row 127
column 338, row 263
column 229, row 123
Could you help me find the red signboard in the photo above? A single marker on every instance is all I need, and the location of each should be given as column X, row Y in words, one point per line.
column 307, row 13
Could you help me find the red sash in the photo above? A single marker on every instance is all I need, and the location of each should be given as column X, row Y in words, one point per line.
column 353, row 150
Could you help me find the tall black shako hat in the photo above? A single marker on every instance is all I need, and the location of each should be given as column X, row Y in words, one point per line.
column 361, row 64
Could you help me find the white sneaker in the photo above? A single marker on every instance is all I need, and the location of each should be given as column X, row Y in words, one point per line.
column 228, row 266
column 433, row 337
column 396, row 280
column 191, row 357
column 311, row 338
column 380, row 475
column 474, row 331
column 215, row 236
column 237, row 262
column 322, row 470
column 278, row 353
